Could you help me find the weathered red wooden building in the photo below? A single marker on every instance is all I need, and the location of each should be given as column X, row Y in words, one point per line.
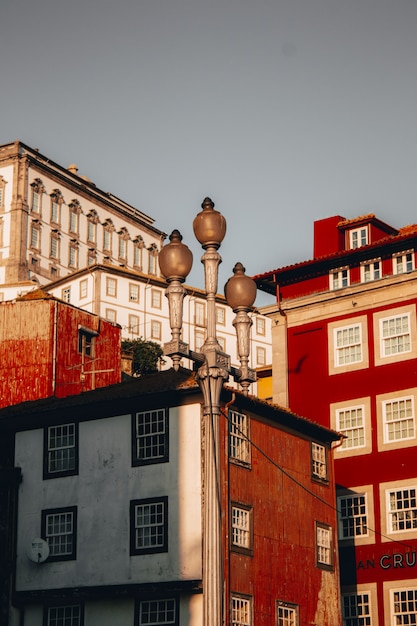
column 345, row 355
column 50, row 348
column 128, row 492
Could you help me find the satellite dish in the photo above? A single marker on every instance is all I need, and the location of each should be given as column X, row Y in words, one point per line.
column 38, row 550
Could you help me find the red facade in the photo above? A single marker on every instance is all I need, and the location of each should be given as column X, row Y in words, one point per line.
column 50, row 348
column 351, row 363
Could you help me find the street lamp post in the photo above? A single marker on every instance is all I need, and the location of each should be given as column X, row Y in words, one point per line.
column 213, row 369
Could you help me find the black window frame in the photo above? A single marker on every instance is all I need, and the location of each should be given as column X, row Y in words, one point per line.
column 72, row 556
column 47, row 474
column 134, row 551
column 164, row 458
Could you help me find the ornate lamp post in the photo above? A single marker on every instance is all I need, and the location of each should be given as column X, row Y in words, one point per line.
column 213, row 369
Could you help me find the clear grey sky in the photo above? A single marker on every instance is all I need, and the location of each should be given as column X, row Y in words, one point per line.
column 283, row 111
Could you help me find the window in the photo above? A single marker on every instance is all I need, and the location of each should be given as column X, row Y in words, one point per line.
column 260, row 325
column 133, row 292
column 339, row 278
column 404, row 606
column 133, row 325
column 60, row 450
column 395, row 335
column 137, row 253
column 199, row 338
column 358, row 237
column 241, row 611
column 150, row 437
column 59, row 531
column 149, row 526
column 153, row 257
column 351, row 422
column 36, row 201
column 91, row 257
column 73, row 221
column 155, row 329
column 356, row 609
column 371, row 270
column 54, row 212
column 324, row 546
column 239, row 447
column 222, row 343
column 352, row 511
column 91, row 231
column 241, row 531
column 66, row 294
column 260, row 355
column 348, row 345
column 70, row 615
column 156, row 298
column 402, row 509
column 123, row 238
column 220, row 315
column 35, row 236
column 403, row 262
column 111, row 315
column 111, row 287
column 107, row 239
column 398, row 416
column 2, row 192
column 86, row 341
column 72, row 256
column 318, row 461
column 158, row 612
column 54, row 246
column 287, row 614
column 83, row 289
column 199, row 313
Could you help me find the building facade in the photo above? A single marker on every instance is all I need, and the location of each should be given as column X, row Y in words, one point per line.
column 50, row 348
column 108, row 526
column 91, row 249
column 345, row 355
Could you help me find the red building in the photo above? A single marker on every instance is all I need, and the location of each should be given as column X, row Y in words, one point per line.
column 50, row 348
column 120, row 509
column 345, row 355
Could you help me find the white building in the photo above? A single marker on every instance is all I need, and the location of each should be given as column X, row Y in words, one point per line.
column 84, row 245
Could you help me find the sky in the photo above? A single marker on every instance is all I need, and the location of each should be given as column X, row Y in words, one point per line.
column 282, row 111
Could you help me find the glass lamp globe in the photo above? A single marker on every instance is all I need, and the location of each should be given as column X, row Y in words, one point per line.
column 175, row 259
column 209, row 225
column 240, row 290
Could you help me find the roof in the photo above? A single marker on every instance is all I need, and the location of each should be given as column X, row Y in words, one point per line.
column 117, row 399
column 320, row 265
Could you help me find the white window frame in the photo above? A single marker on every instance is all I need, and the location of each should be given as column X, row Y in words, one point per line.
column 134, row 292
column 199, row 338
column 83, row 289
column 399, row 419
column 111, row 287
column 358, row 237
column 72, row 256
column 319, row 466
column 156, row 298
column 351, row 421
column 111, row 315
column 134, row 323
column 158, row 612
column 65, row 615
column 55, row 206
column 339, row 278
column 352, row 515
column 371, row 270
column 149, row 525
column 401, row 505
column 403, row 262
column 286, row 614
column 403, row 605
column 61, row 454
column 59, row 529
column 260, row 356
column 220, row 315
column 260, row 325
column 35, row 235
column 324, row 546
column 348, row 348
column 241, row 610
column 91, row 231
column 389, row 331
column 151, row 437
column 66, row 294
column 239, row 444
column 156, row 330
column 200, row 314
column 241, row 527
